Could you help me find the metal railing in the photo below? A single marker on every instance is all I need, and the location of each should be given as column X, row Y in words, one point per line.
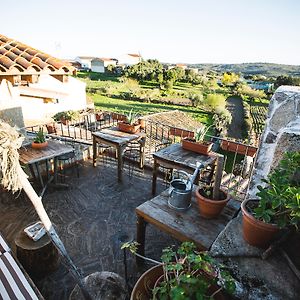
column 238, row 157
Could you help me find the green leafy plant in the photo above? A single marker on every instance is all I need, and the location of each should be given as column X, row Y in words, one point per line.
column 189, row 274
column 68, row 115
column 280, row 199
column 131, row 117
column 40, row 137
column 200, row 133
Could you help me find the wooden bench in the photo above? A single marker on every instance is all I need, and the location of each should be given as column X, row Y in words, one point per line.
column 15, row 284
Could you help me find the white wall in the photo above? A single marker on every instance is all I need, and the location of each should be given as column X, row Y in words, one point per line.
column 128, row 60
column 98, row 66
column 71, row 95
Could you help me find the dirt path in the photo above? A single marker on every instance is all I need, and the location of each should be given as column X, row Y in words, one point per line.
column 235, row 106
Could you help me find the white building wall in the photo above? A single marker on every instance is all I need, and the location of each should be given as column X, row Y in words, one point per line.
column 128, row 60
column 98, row 66
column 71, row 95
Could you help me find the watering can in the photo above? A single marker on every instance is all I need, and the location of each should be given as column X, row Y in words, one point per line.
column 180, row 190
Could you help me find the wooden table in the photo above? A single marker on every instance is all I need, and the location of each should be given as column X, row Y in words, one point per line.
column 185, row 225
column 32, row 157
column 175, row 157
column 118, row 139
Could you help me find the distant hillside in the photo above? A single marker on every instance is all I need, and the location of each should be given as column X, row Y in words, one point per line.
column 266, row 69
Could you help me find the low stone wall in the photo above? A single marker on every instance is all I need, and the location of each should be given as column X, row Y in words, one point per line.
column 271, row 278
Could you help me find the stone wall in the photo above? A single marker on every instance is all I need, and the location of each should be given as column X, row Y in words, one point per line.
column 281, row 134
column 271, row 278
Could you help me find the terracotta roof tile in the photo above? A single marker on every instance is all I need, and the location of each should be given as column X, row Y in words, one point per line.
column 18, row 58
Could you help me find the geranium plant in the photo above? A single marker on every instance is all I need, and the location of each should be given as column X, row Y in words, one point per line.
column 280, row 200
column 189, row 274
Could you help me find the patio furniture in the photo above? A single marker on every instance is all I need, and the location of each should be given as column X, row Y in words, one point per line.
column 14, row 282
column 175, row 157
column 39, row 258
column 33, row 158
column 117, row 139
column 132, row 155
column 185, row 225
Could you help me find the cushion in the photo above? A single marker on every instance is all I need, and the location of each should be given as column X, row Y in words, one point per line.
column 3, row 246
column 13, row 284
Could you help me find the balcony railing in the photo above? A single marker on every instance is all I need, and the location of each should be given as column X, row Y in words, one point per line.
column 238, row 157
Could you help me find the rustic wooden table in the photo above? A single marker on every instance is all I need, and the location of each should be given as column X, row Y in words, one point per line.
column 185, row 225
column 175, row 157
column 118, row 139
column 32, row 157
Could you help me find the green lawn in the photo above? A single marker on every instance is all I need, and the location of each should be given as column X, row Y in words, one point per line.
column 119, row 105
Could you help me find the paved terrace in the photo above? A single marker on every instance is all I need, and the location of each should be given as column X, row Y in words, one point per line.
column 91, row 217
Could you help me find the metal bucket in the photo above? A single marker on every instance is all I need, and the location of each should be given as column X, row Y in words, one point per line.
column 180, row 194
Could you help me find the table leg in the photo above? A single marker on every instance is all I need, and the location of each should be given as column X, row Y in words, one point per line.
column 218, row 176
column 32, row 172
column 39, row 174
column 140, row 238
column 55, row 170
column 120, row 162
column 154, row 177
column 94, row 152
column 142, row 153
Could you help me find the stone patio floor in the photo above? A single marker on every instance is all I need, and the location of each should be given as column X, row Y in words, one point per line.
column 92, row 217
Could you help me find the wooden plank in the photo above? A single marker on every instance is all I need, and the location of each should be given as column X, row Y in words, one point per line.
column 186, row 225
column 28, row 155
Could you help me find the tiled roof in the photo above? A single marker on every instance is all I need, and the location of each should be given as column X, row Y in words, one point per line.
column 103, row 59
column 134, row 55
column 19, row 59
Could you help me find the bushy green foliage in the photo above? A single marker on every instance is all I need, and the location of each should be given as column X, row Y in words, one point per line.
column 68, row 115
column 244, row 90
column 280, row 199
column 216, row 100
column 287, row 80
column 189, row 274
column 195, row 97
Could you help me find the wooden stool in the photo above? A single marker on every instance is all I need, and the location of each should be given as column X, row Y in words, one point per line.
column 38, row 258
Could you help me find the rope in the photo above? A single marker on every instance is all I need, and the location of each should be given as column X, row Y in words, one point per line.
column 10, row 142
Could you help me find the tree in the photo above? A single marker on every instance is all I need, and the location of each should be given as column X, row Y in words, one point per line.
column 246, row 90
column 230, row 78
column 216, row 101
column 287, row 80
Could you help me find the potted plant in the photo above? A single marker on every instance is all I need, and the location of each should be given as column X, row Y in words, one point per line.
column 99, row 115
column 39, row 141
column 130, row 125
column 238, row 148
column 197, row 144
column 51, row 128
column 209, row 206
column 66, row 116
column 183, row 274
column 277, row 206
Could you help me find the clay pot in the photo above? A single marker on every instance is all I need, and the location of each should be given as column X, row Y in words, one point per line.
column 126, row 127
column 255, row 232
column 143, row 287
column 238, row 148
column 39, row 145
column 142, row 123
column 51, row 128
column 211, row 208
column 201, row 148
column 181, row 132
column 99, row 116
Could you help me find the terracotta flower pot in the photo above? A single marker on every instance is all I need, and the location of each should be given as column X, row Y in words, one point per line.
column 126, row 127
column 39, row 145
column 51, row 128
column 99, row 116
column 201, row 148
column 142, row 123
column 143, row 287
column 238, row 148
column 210, row 208
column 256, row 232
column 181, row 132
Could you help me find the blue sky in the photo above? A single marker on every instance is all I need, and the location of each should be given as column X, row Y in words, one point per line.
column 190, row 31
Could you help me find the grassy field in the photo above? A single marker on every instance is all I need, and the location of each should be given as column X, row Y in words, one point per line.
column 119, row 105
column 113, row 102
